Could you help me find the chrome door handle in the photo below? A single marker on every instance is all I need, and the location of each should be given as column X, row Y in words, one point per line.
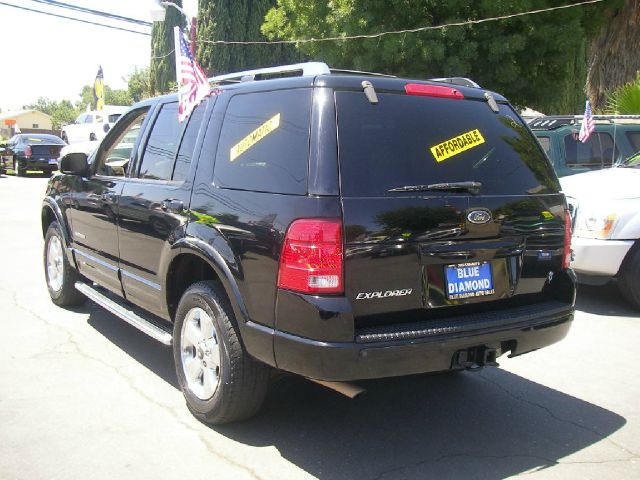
column 172, row 206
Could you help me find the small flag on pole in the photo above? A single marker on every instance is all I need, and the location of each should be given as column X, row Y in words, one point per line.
column 588, row 124
column 98, row 90
column 193, row 85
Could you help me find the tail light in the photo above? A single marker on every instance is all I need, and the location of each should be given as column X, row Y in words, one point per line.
column 432, row 91
column 312, row 257
column 28, row 151
column 566, row 254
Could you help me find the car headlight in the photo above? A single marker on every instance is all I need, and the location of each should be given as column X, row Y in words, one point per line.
column 594, row 224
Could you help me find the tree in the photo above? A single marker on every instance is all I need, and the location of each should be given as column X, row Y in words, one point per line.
column 139, row 84
column 525, row 57
column 163, row 63
column 237, row 20
column 625, row 100
column 111, row 97
column 613, row 51
column 61, row 113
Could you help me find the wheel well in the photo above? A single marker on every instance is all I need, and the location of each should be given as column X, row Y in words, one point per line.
column 630, row 253
column 185, row 270
column 47, row 218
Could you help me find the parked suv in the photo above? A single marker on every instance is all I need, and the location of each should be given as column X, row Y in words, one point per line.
column 336, row 226
column 92, row 126
column 615, row 138
column 605, row 206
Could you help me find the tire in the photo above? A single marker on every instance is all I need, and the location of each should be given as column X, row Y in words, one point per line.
column 59, row 274
column 231, row 386
column 17, row 171
column 629, row 278
column 64, row 138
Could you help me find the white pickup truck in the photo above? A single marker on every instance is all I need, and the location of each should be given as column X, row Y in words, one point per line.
column 93, row 125
column 605, row 206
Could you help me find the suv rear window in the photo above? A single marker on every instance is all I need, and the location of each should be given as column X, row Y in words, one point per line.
column 393, row 144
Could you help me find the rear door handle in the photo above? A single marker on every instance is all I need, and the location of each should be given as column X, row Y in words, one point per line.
column 172, row 205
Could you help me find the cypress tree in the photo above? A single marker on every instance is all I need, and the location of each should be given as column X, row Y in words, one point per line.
column 163, row 63
column 236, row 20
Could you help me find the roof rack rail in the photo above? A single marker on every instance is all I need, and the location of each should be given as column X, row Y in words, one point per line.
column 462, row 81
column 307, row 69
column 359, row 72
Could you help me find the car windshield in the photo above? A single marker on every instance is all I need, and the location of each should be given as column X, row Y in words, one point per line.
column 632, row 162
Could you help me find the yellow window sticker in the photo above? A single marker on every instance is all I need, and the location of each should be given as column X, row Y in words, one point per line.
column 254, row 137
column 456, row 145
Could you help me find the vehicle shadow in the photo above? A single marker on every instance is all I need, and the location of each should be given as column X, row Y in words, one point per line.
column 603, row 300
column 487, row 425
column 152, row 354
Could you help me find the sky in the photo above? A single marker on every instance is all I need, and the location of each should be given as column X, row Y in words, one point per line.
column 44, row 56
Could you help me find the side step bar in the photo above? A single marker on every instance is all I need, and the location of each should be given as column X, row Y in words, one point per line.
column 133, row 319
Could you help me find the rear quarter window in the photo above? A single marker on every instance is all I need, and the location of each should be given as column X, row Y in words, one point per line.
column 264, row 142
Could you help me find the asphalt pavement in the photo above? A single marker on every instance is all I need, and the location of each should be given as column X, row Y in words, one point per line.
column 85, row 396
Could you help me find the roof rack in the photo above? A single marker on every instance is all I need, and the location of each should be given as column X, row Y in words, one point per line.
column 312, row 69
column 462, row 81
column 358, row 72
column 307, row 69
column 551, row 122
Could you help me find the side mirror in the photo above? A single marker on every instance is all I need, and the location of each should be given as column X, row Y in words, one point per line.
column 106, row 127
column 75, row 164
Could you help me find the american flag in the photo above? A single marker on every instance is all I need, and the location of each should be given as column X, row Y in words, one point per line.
column 588, row 124
column 193, row 85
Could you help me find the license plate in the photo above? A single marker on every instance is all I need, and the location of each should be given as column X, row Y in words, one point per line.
column 52, row 161
column 467, row 280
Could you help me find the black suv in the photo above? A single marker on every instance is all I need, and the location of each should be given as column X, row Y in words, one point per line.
column 336, row 225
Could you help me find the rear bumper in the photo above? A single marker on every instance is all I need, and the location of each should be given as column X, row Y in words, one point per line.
column 38, row 164
column 598, row 257
column 415, row 350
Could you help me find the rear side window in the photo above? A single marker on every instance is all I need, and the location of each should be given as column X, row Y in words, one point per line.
column 160, row 152
column 545, row 142
column 634, row 140
column 185, row 153
column 264, row 143
column 408, row 140
column 597, row 152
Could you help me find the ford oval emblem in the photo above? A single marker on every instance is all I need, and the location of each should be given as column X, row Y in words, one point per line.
column 479, row 216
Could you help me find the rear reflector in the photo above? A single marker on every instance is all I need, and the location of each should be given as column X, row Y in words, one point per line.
column 566, row 254
column 432, row 91
column 312, row 258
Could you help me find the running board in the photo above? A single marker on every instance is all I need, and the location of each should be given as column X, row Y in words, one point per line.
column 133, row 319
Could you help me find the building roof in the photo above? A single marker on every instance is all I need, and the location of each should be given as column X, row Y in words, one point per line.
column 18, row 113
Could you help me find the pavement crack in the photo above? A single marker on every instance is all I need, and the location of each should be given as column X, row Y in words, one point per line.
column 76, row 349
column 558, row 418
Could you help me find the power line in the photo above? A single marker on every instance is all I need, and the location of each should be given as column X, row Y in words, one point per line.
column 75, row 19
column 399, row 32
column 162, row 56
column 90, row 11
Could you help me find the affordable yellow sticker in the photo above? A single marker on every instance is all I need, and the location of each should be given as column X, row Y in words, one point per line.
column 254, row 137
column 456, row 145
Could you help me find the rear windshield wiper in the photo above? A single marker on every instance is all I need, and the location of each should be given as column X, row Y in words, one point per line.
column 471, row 187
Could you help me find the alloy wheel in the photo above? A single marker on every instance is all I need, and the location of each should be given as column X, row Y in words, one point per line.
column 200, row 353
